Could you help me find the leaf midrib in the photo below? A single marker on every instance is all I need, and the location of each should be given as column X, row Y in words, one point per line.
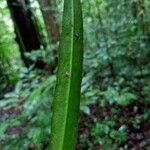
column 70, row 77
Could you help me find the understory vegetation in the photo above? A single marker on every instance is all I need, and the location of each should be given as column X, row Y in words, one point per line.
column 115, row 92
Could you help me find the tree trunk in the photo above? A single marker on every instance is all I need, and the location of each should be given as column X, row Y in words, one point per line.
column 26, row 35
column 47, row 9
column 50, row 20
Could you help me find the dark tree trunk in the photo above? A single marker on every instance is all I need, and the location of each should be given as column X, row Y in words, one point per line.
column 52, row 27
column 50, row 20
column 26, row 34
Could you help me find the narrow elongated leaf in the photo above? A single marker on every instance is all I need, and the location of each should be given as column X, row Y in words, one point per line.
column 66, row 101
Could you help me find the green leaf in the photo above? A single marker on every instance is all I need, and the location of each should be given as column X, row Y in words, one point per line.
column 101, row 129
column 3, row 127
column 126, row 98
column 118, row 136
column 35, row 134
column 85, row 109
column 66, row 101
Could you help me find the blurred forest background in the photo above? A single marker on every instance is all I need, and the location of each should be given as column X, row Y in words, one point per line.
column 115, row 90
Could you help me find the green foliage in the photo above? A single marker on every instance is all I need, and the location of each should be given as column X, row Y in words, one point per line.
column 105, row 134
column 146, row 91
column 43, row 54
column 8, row 49
column 122, row 97
column 116, row 71
column 31, row 99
